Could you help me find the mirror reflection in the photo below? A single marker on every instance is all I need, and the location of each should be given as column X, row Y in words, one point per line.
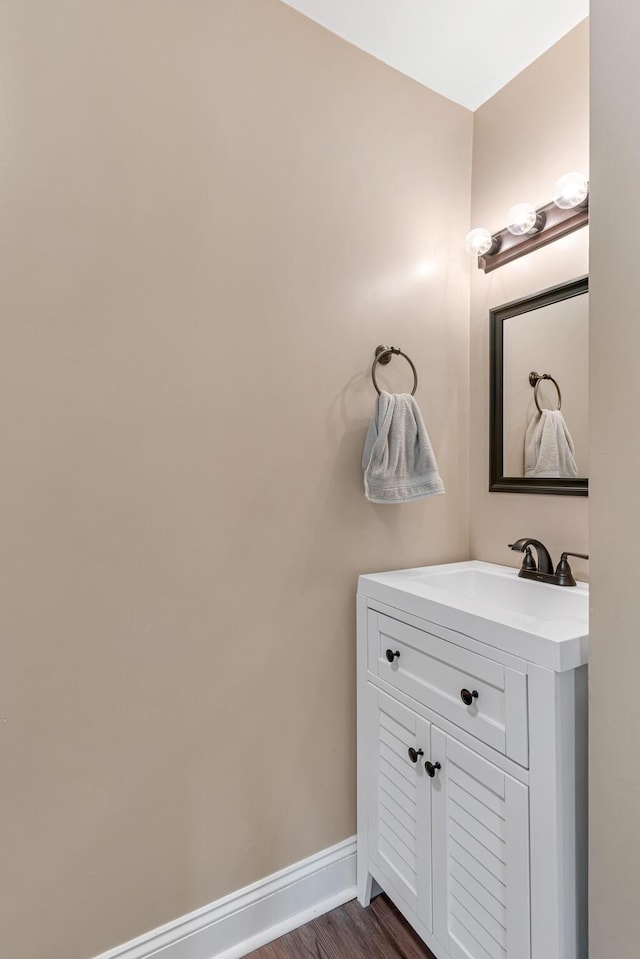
column 539, row 440
column 545, row 394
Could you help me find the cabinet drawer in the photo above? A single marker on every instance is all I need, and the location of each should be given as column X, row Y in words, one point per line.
column 435, row 671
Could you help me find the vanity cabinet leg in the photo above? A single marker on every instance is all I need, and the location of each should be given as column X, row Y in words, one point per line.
column 365, row 887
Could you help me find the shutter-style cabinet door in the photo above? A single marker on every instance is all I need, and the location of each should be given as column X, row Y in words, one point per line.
column 480, row 834
column 399, row 802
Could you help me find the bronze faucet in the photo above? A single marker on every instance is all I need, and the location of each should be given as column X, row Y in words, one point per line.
column 542, row 569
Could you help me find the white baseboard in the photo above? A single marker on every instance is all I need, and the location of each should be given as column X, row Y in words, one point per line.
column 236, row 925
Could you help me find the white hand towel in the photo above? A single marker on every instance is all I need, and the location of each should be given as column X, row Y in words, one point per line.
column 548, row 446
column 398, row 461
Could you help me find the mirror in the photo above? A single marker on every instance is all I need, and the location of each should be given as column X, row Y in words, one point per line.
column 539, row 438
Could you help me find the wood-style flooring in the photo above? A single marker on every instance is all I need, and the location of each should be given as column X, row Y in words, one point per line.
column 351, row 932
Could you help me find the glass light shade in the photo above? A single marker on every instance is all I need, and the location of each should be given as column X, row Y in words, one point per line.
column 521, row 219
column 478, row 242
column 571, row 190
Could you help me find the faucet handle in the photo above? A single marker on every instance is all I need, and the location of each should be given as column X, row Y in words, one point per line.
column 528, row 562
column 564, row 573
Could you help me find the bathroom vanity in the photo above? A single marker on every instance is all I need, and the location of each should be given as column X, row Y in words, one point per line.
column 472, row 753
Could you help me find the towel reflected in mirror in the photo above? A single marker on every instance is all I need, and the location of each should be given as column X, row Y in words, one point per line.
column 548, row 446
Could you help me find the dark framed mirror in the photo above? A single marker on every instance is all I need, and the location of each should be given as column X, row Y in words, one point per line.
column 538, row 429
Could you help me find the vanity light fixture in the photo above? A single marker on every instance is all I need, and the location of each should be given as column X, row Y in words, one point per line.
column 523, row 219
column 571, row 191
column 479, row 241
column 528, row 229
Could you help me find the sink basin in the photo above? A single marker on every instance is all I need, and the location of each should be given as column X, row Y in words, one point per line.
column 545, row 624
column 501, row 588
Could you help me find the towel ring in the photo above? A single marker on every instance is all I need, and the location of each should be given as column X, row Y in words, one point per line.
column 535, row 379
column 383, row 355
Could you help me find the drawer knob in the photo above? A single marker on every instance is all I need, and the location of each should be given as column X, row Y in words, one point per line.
column 414, row 754
column 391, row 655
column 467, row 697
column 431, row 768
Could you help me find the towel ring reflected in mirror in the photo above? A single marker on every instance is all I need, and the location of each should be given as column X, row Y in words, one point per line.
column 517, row 342
column 383, row 356
column 535, row 379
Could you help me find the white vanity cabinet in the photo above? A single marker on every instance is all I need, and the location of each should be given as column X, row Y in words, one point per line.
column 471, row 775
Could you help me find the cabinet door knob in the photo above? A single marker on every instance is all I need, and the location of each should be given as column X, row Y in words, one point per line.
column 391, row 655
column 467, row 697
column 414, row 754
column 431, row 768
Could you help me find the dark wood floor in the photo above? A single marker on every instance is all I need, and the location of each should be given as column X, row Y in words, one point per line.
column 351, row 932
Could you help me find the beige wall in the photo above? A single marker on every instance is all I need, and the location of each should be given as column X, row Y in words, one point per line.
column 615, row 515
column 210, row 214
column 528, row 135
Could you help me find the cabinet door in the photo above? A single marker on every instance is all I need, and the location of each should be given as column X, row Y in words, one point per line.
column 480, row 856
column 399, row 802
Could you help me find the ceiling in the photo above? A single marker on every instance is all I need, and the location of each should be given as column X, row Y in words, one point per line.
column 463, row 49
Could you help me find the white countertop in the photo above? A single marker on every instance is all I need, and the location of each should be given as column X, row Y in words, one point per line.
column 540, row 623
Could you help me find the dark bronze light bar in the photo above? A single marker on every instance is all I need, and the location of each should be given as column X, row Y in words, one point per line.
column 528, row 229
column 558, row 223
